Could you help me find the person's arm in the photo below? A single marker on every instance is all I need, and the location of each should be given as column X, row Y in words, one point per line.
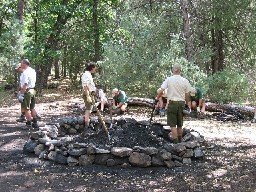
column 160, row 93
column 200, row 103
column 187, row 98
column 25, row 84
column 85, row 82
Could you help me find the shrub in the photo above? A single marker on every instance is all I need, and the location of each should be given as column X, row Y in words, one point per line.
column 228, row 86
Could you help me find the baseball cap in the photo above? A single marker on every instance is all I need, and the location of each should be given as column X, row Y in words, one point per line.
column 18, row 66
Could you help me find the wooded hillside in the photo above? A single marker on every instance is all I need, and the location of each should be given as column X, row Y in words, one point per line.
column 135, row 43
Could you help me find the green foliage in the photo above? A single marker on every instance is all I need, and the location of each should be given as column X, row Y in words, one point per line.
column 141, row 71
column 228, row 86
column 11, row 46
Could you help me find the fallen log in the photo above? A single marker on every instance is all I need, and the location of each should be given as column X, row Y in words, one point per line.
column 216, row 107
column 138, row 101
column 211, row 107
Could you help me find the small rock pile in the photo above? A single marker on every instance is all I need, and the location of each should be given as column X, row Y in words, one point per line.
column 132, row 143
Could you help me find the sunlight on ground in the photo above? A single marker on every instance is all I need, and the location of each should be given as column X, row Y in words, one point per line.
column 52, row 95
column 11, row 173
column 13, row 145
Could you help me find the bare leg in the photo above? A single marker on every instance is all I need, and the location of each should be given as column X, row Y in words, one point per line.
column 174, row 135
column 203, row 107
column 179, row 133
column 193, row 105
column 102, row 103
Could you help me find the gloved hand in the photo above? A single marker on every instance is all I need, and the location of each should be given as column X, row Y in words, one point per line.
column 114, row 107
column 18, row 95
column 97, row 103
column 21, row 98
column 198, row 109
column 89, row 99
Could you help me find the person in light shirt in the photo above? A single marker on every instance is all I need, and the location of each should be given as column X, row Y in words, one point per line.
column 102, row 100
column 22, row 117
column 178, row 93
column 162, row 104
column 28, row 93
column 88, row 89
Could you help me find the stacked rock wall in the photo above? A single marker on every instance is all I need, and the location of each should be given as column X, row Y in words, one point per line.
column 61, row 143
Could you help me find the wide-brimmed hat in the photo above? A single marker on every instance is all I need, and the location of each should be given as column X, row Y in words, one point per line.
column 193, row 92
column 114, row 91
column 18, row 66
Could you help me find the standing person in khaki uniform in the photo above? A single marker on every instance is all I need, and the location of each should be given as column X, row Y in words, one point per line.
column 88, row 87
column 177, row 94
column 27, row 92
column 22, row 117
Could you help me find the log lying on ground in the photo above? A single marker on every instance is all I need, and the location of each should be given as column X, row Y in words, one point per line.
column 138, row 101
column 244, row 110
column 211, row 107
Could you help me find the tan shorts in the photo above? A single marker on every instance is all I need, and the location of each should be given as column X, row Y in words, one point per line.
column 88, row 106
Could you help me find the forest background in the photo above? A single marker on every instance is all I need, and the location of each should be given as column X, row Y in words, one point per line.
column 135, row 43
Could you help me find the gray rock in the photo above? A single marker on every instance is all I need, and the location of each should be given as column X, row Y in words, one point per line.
column 72, row 161
column 155, row 161
column 29, row 146
column 39, row 148
column 85, row 160
column 170, row 163
column 189, row 153
column 186, row 161
column 198, row 153
column 101, row 159
column 121, row 151
column 140, row 159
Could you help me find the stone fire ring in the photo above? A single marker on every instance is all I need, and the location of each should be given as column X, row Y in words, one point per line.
column 133, row 143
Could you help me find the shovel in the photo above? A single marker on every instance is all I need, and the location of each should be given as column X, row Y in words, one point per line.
column 111, row 115
column 152, row 112
column 101, row 118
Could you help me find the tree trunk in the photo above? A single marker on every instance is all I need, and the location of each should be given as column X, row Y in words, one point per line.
column 20, row 14
column 51, row 47
column 56, row 69
column 96, row 31
column 218, row 57
column 186, row 30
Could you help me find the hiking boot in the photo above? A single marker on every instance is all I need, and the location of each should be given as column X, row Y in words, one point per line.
column 27, row 127
column 156, row 112
column 35, row 126
column 21, row 119
column 162, row 112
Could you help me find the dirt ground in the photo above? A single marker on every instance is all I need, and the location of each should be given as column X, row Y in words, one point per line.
column 229, row 163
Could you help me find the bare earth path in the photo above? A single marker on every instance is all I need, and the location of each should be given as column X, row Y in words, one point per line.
column 229, row 163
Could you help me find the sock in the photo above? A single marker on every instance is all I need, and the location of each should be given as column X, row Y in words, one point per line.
column 28, row 124
column 22, row 114
column 86, row 125
column 175, row 140
column 179, row 139
column 34, row 120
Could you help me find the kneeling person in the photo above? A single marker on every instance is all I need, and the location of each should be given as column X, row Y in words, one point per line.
column 196, row 99
column 119, row 101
